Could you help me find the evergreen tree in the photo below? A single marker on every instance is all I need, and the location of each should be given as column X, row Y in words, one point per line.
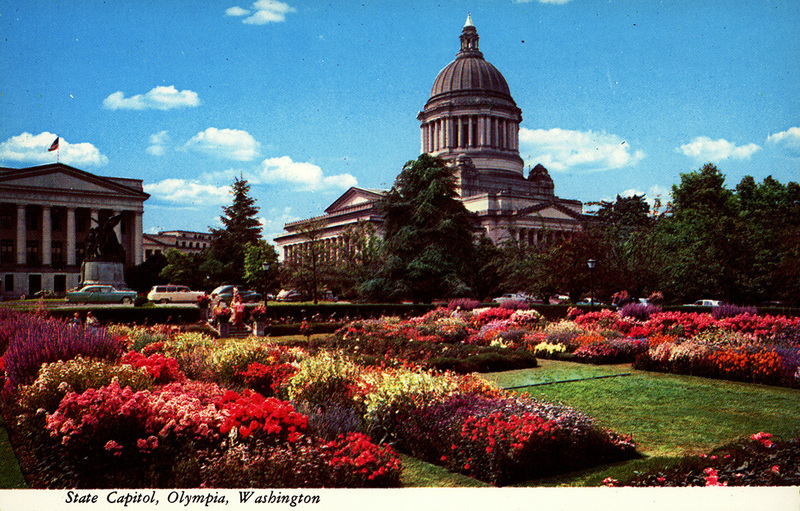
column 428, row 237
column 241, row 227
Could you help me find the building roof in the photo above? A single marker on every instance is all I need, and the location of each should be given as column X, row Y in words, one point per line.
column 470, row 72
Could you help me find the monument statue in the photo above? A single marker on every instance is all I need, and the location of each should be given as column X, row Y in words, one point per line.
column 105, row 255
column 102, row 243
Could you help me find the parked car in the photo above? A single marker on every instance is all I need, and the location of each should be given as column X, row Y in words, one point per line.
column 704, row 303
column 509, row 297
column 101, row 293
column 225, row 293
column 171, row 293
column 289, row 295
column 295, row 295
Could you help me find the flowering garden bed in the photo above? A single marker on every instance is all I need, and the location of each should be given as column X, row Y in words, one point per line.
column 84, row 406
column 135, row 407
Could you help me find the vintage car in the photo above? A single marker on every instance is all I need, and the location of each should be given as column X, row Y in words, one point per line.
column 225, row 294
column 101, row 293
column 170, row 293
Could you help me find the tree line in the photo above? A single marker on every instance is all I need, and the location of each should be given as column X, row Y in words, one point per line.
column 740, row 245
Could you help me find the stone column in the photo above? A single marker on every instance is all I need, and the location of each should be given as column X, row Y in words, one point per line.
column 118, row 227
column 138, row 246
column 47, row 236
column 70, row 236
column 22, row 234
column 470, row 139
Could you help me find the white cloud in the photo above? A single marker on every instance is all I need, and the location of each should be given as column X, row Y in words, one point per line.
column 307, row 176
column 158, row 142
column 272, row 224
column 576, row 151
column 788, row 141
column 655, row 192
column 34, row 148
column 236, row 11
column 705, row 149
column 185, row 192
column 159, row 98
column 225, row 143
column 263, row 12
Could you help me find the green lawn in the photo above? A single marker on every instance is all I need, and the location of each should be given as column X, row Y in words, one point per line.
column 668, row 415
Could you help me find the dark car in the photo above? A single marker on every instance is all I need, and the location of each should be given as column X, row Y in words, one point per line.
column 101, row 293
column 225, row 293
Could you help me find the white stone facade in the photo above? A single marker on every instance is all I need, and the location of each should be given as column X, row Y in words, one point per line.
column 45, row 214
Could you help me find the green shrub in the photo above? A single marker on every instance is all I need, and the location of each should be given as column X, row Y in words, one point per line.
column 55, row 379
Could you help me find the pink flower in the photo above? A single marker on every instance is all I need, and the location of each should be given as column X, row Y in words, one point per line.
column 610, row 482
column 776, row 469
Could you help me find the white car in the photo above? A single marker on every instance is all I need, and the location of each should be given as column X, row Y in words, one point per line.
column 515, row 297
column 173, row 294
column 704, row 303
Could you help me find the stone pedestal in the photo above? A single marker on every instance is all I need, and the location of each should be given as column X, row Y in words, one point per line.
column 103, row 272
column 224, row 329
column 259, row 328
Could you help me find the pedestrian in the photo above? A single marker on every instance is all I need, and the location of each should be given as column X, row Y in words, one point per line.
column 91, row 321
column 76, row 320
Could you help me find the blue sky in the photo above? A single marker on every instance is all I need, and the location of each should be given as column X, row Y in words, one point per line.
column 307, row 98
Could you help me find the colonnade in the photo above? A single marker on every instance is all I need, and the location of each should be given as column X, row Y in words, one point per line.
column 327, row 250
column 539, row 236
column 474, row 130
column 45, row 235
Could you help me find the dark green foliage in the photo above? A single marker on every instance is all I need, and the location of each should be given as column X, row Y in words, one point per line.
column 146, row 275
column 428, row 238
column 490, row 361
column 241, row 226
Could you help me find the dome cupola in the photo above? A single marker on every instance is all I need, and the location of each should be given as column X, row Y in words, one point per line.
column 471, row 112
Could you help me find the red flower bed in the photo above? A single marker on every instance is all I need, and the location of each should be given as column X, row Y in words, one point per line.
column 250, row 413
column 162, row 369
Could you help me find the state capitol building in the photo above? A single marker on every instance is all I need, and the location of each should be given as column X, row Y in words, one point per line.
column 472, row 122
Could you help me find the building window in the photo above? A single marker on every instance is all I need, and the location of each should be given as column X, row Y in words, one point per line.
column 59, row 283
column 148, row 253
column 32, row 219
column 7, row 251
column 9, row 282
column 81, row 222
column 57, row 255
column 80, row 252
column 6, row 220
column 33, row 253
column 56, row 221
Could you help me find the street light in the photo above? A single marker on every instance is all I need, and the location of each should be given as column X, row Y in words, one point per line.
column 265, row 265
column 592, row 263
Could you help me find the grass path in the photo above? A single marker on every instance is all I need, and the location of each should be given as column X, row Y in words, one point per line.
column 668, row 415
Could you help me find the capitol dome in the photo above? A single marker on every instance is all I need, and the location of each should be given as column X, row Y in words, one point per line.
column 471, row 112
column 470, row 73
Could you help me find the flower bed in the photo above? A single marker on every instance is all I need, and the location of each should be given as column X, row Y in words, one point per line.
column 757, row 461
column 182, row 412
column 138, row 420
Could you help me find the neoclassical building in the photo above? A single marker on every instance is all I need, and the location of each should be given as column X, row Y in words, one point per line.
column 187, row 242
column 45, row 215
column 472, row 122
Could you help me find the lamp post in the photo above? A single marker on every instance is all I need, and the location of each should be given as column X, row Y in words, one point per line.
column 265, row 266
column 591, row 263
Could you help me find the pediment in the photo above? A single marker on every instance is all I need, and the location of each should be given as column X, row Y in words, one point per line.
column 59, row 178
column 548, row 210
column 354, row 197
